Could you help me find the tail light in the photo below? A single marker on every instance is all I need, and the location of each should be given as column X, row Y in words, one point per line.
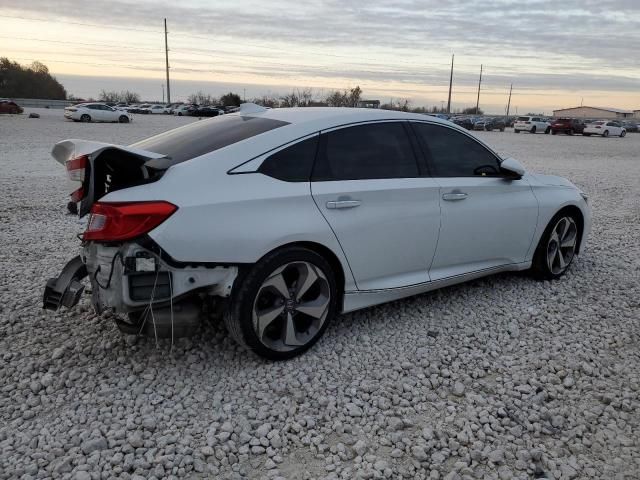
column 528, row 123
column 76, row 168
column 115, row 222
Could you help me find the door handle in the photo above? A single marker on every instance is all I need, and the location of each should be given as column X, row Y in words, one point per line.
column 454, row 196
column 342, row 204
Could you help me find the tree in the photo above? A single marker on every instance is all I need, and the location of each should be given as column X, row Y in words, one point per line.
column 472, row 111
column 34, row 81
column 298, row 98
column 267, row 101
column 230, row 99
column 402, row 105
column 115, row 97
column 345, row 98
column 201, row 98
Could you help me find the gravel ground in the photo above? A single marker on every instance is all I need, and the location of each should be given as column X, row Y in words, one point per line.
column 501, row 378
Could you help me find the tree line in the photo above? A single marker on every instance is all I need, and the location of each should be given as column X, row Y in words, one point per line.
column 33, row 81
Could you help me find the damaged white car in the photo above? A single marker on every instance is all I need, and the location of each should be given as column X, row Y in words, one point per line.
column 286, row 217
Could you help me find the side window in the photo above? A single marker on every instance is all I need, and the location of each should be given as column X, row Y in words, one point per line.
column 292, row 164
column 94, row 107
column 374, row 150
column 453, row 154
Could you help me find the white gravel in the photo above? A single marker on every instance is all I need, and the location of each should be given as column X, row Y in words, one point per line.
column 500, row 378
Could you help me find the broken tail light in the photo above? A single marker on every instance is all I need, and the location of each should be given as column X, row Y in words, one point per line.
column 76, row 168
column 118, row 221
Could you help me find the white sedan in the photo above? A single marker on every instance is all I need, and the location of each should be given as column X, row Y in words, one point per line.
column 605, row 128
column 157, row 109
column 96, row 112
column 285, row 218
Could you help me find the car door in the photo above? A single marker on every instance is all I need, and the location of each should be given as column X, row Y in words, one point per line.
column 487, row 219
column 614, row 128
column 367, row 183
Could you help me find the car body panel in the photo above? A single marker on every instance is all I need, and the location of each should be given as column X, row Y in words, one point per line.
column 498, row 217
column 398, row 219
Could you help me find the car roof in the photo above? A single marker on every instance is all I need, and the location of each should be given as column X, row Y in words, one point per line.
column 319, row 118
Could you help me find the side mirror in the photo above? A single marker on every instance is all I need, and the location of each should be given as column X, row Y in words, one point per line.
column 512, row 168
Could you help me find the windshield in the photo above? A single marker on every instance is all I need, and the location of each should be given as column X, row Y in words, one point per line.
column 204, row 136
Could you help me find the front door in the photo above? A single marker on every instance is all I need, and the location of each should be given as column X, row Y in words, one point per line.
column 488, row 220
column 367, row 185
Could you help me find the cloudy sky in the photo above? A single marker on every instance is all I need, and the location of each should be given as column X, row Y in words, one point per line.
column 556, row 54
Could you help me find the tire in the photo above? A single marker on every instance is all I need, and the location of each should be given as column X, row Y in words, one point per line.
column 623, row 133
column 586, row 134
column 570, row 132
column 553, row 132
column 179, row 114
column 547, row 265
column 123, row 119
column 548, row 129
column 269, row 287
column 533, row 129
column 85, row 118
column 502, row 129
column 517, row 131
column 605, row 133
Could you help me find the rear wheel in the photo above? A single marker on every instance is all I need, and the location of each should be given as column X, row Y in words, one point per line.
column 123, row 119
column 623, row 133
column 553, row 132
column 570, row 132
column 606, row 133
column 556, row 248
column 533, row 129
column 284, row 304
column 547, row 130
column 85, row 118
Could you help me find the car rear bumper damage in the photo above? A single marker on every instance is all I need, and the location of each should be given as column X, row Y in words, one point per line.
column 158, row 298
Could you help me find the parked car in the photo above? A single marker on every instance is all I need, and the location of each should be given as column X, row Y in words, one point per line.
column 170, row 107
column 349, row 213
column 631, row 127
column 531, row 125
column 567, row 125
column 185, row 110
column 207, row 112
column 490, row 124
column 605, row 128
column 143, row 109
column 156, row 109
column 9, row 106
column 96, row 112
column 464, row 122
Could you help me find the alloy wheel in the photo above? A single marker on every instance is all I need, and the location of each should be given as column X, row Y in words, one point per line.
column 562, row 245
column 291, row 306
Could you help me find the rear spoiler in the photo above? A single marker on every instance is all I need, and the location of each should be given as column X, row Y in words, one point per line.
column 108, row 167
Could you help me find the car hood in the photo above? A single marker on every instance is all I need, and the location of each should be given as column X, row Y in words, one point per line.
column 551, row 180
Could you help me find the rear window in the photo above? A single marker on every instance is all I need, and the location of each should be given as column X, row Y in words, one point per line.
column 204, row 136
column 523, row 119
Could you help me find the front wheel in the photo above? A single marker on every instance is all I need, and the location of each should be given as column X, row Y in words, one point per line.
column 282, row 306
column 123, row 119
column 547, row 130
column 85, row 118
column 623, row 133
column 556, row 248
column 533, row 129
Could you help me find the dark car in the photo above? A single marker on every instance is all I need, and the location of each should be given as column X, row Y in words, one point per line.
column 464, row 122
column 490, row 124
column 567, row 125
column 631, row 127
column 206, row 112
column 8, row 106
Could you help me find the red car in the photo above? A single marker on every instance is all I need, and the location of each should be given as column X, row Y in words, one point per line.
column 567, row 125
column 7, row 106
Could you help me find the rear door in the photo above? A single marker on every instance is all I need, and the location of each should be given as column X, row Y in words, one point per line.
column 367, row 183
column 488, row 220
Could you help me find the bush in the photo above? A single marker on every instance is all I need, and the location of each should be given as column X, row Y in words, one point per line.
column 34, row 81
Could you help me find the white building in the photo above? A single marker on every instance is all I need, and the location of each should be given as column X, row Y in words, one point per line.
column 595, row 112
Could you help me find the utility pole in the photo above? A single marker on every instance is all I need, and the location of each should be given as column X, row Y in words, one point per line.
column 166, row 55
column 162, row 85
column 450, row 85
column 478, row 100
column 509, row 102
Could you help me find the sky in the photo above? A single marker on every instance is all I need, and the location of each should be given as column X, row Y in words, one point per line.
column 555, row 53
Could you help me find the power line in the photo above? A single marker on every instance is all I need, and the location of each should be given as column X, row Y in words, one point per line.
column 80, row 43
column 114, row 27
